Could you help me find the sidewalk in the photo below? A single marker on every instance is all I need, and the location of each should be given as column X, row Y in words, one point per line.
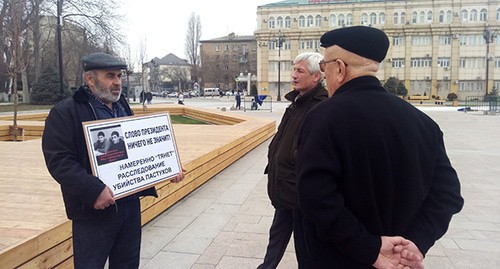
column 225, row 222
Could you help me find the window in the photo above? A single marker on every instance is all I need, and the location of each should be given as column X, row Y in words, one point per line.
column 398, row 62
column 471, row 86
column 403, row 18
column 381, row 18
column 364, row 19
column 445, row 40
column 332, row 20
column 429, row 16
column 498, row 14
column 464, row 15
column 483, row 15
column 226, row 47
column 217, row 47
column 421, row 40
column 398, row 41
column 288, row 22
column 341, row 20
column 473, row 15
column 395, row 18
column 236, row 47
column 422, row 17
column 497, row 62
column 302, row 21
column 449, row 16
column 279, row 22
column 286, row 45
column 414, row 17
column 472, row 62
column 441, row 16
column 349, row 20
column 271, row 23
column 443, row 62
column 310, row 21
column 318, row 20
column 420, row 62
column 373, row 19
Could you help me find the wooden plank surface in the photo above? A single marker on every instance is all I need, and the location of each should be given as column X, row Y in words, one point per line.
column 34, row 230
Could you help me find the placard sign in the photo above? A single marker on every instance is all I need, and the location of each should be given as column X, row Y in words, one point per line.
column 130, row 154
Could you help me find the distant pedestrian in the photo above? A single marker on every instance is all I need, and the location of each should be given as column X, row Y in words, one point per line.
column 149, row 97
column 238, row 100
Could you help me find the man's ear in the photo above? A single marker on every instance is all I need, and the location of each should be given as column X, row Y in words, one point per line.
column 89, row 80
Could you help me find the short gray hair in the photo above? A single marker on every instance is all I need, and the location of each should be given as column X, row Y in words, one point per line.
column 312, row 59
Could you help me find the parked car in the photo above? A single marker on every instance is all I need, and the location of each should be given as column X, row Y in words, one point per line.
column 173, row 94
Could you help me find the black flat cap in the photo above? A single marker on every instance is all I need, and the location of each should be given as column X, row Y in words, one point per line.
column 101, row 60
column 364, row 41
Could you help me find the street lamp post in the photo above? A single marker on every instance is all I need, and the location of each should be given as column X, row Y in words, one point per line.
column 488, row 36
column 279, row 44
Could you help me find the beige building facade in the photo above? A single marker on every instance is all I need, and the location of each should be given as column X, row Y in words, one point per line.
column 225, row 59
column 437, row 47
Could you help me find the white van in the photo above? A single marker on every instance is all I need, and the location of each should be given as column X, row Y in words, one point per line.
column 211, row 91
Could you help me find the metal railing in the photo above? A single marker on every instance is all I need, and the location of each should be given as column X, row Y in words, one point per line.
column 259, row 102
column 482, row 103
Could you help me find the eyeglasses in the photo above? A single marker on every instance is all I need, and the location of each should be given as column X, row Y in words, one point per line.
column 323, row 63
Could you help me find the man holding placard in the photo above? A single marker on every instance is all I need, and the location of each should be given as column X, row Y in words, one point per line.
column 102, row 226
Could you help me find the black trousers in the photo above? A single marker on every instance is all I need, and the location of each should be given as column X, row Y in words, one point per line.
column 279, row 236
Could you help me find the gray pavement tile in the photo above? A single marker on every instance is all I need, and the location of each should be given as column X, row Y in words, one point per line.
column 155, row 238
column 171, row 260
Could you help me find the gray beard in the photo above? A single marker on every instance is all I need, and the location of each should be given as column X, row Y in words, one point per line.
column 105, row 94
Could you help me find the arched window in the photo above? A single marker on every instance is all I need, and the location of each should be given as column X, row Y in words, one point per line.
column 288, row 22
column 310, row 21
column 403, row 18
column 464, row 15
column 441, row 16
column 422, row 17
column 341, row 20
column 414, row 17
column 349, row 19
column 483, row 15
column 498, row 14
column 302, row 21
column 429, row 16
column 364, row 19
column 270, row 23
column 381, row 18
column 449, row 16
column 395, row 19
column 332, row 20
column 318, row 20
column 373, row 19
column 473, row 15
column 279, row 22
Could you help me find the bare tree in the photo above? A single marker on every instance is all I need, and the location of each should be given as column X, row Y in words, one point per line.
column 192, row 44
column 141, row 57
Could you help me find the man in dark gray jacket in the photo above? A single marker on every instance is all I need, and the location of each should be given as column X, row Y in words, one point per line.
column 102, row 226
column 308, row 92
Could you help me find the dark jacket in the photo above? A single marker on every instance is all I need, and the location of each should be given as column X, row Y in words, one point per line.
column 67, row 159
column 282, row 149
column 370, row 164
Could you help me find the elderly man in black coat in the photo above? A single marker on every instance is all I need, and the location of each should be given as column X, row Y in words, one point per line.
column 375, row 186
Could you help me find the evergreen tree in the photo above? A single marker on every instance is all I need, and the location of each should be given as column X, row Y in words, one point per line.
column 395, row 86
column 46, row 89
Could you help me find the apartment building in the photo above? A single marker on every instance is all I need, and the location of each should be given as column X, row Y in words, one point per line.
column 226, row 58
column 437, row 46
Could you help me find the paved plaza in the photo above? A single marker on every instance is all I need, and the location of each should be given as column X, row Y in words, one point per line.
column 224, row 223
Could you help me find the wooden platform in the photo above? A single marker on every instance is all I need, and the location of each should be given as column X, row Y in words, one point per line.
column 34, row 230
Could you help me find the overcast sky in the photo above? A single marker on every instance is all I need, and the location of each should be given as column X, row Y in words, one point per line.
column 163, row 23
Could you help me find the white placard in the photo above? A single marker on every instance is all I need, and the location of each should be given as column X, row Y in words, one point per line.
column 135, row 152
